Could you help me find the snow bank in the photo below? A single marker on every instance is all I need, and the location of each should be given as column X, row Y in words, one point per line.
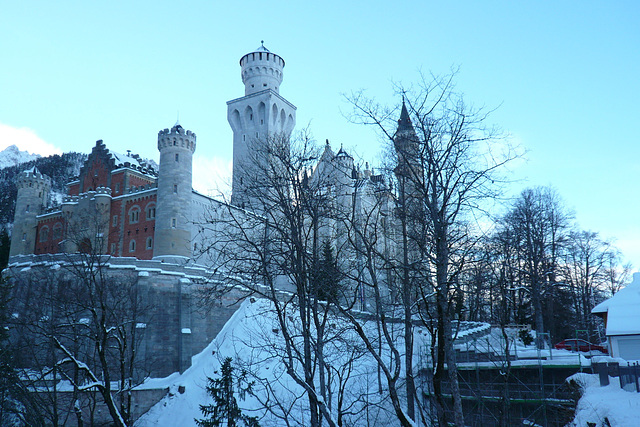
column 619, row 407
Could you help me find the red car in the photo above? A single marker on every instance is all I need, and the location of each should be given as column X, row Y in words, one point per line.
column 579, row 345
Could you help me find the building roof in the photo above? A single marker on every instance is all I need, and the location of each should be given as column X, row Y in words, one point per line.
column 261, row 48
column 404, row 123
column 623, row 316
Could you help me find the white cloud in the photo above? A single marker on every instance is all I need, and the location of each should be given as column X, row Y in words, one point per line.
column 26, row 140
column 212, row 175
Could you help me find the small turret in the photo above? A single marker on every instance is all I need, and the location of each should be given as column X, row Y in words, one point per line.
column 261, row 69
column 172, row 237
column 33, row 191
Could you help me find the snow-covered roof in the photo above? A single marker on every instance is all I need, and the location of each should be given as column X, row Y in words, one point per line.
column 132, row 161
column 623, row 315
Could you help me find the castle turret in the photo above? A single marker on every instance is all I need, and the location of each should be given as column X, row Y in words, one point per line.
column 409, row 170
column 172, row 237
column 257, row 118
column 33, row 190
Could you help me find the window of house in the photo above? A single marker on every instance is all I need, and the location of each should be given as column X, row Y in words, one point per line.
column 151, row 212
column 115, row 220
column 134, row 215
column 57, row 231
column 149, row 242
column 44, row 234
column 132, row 246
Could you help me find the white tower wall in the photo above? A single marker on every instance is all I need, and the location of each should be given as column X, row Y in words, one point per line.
column 172, row 237
column 255, row 118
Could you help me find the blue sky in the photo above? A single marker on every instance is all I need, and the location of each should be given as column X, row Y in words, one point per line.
column 564, row 76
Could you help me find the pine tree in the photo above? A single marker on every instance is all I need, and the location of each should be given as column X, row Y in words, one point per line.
column 326, row 277
column 5, row 244
column 9, row 383
column 225, row 411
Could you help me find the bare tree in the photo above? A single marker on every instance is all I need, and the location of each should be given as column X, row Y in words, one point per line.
column 539, row 224
column 588, row 260
column 275, row 252
column 85, row 326
column 448, row 161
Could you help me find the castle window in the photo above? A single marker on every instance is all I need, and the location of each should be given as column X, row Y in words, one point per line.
column 132, row 246
column 175, row 143
column 24, row 236
column 27, row 209
column 151, row 211
column 244, row 137
column 149, row 242
column 177, row 157
column 257, row 135
column 134, row 215
column 117, row 188
column 115, row 220
column 57, row 231
column 264, row 84
column 44, row 234
column 250, row 116
column 174, row 223
column 261, row 121
column 175, row 188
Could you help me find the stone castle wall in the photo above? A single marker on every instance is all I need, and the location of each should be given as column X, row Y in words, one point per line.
column 176, row 324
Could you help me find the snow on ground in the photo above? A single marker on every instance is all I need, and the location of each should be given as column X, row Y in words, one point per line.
column 252, row 337
column 619, row 407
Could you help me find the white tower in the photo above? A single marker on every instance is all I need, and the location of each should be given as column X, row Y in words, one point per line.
column 172, row 237
column 33, row 190
column 260, row 115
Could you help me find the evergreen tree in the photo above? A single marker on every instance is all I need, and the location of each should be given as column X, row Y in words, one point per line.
column 9, row 383
column 5, row 244
column 326, row 276
column 225, row 411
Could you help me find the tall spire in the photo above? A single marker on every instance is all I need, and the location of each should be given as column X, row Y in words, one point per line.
column 404, row 123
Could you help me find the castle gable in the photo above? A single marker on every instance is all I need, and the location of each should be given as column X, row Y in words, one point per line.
column 98, row 169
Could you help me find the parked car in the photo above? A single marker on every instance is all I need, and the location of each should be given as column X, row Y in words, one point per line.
column 574, row 344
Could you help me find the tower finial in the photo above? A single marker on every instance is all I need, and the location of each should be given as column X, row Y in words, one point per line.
column 262, row 43
column 177, row 118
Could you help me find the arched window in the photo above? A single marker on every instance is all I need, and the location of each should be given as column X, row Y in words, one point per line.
column 57, row 231
column 151, row 211
column 149, row 242
column 132, row 246
column 44, row 234
column 134, row 215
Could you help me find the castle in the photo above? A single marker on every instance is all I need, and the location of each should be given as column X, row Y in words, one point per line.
column 122, row 206
column 145, row 222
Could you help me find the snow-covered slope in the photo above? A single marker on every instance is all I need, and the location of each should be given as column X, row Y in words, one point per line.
column 253, row 339
column 12, row 156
